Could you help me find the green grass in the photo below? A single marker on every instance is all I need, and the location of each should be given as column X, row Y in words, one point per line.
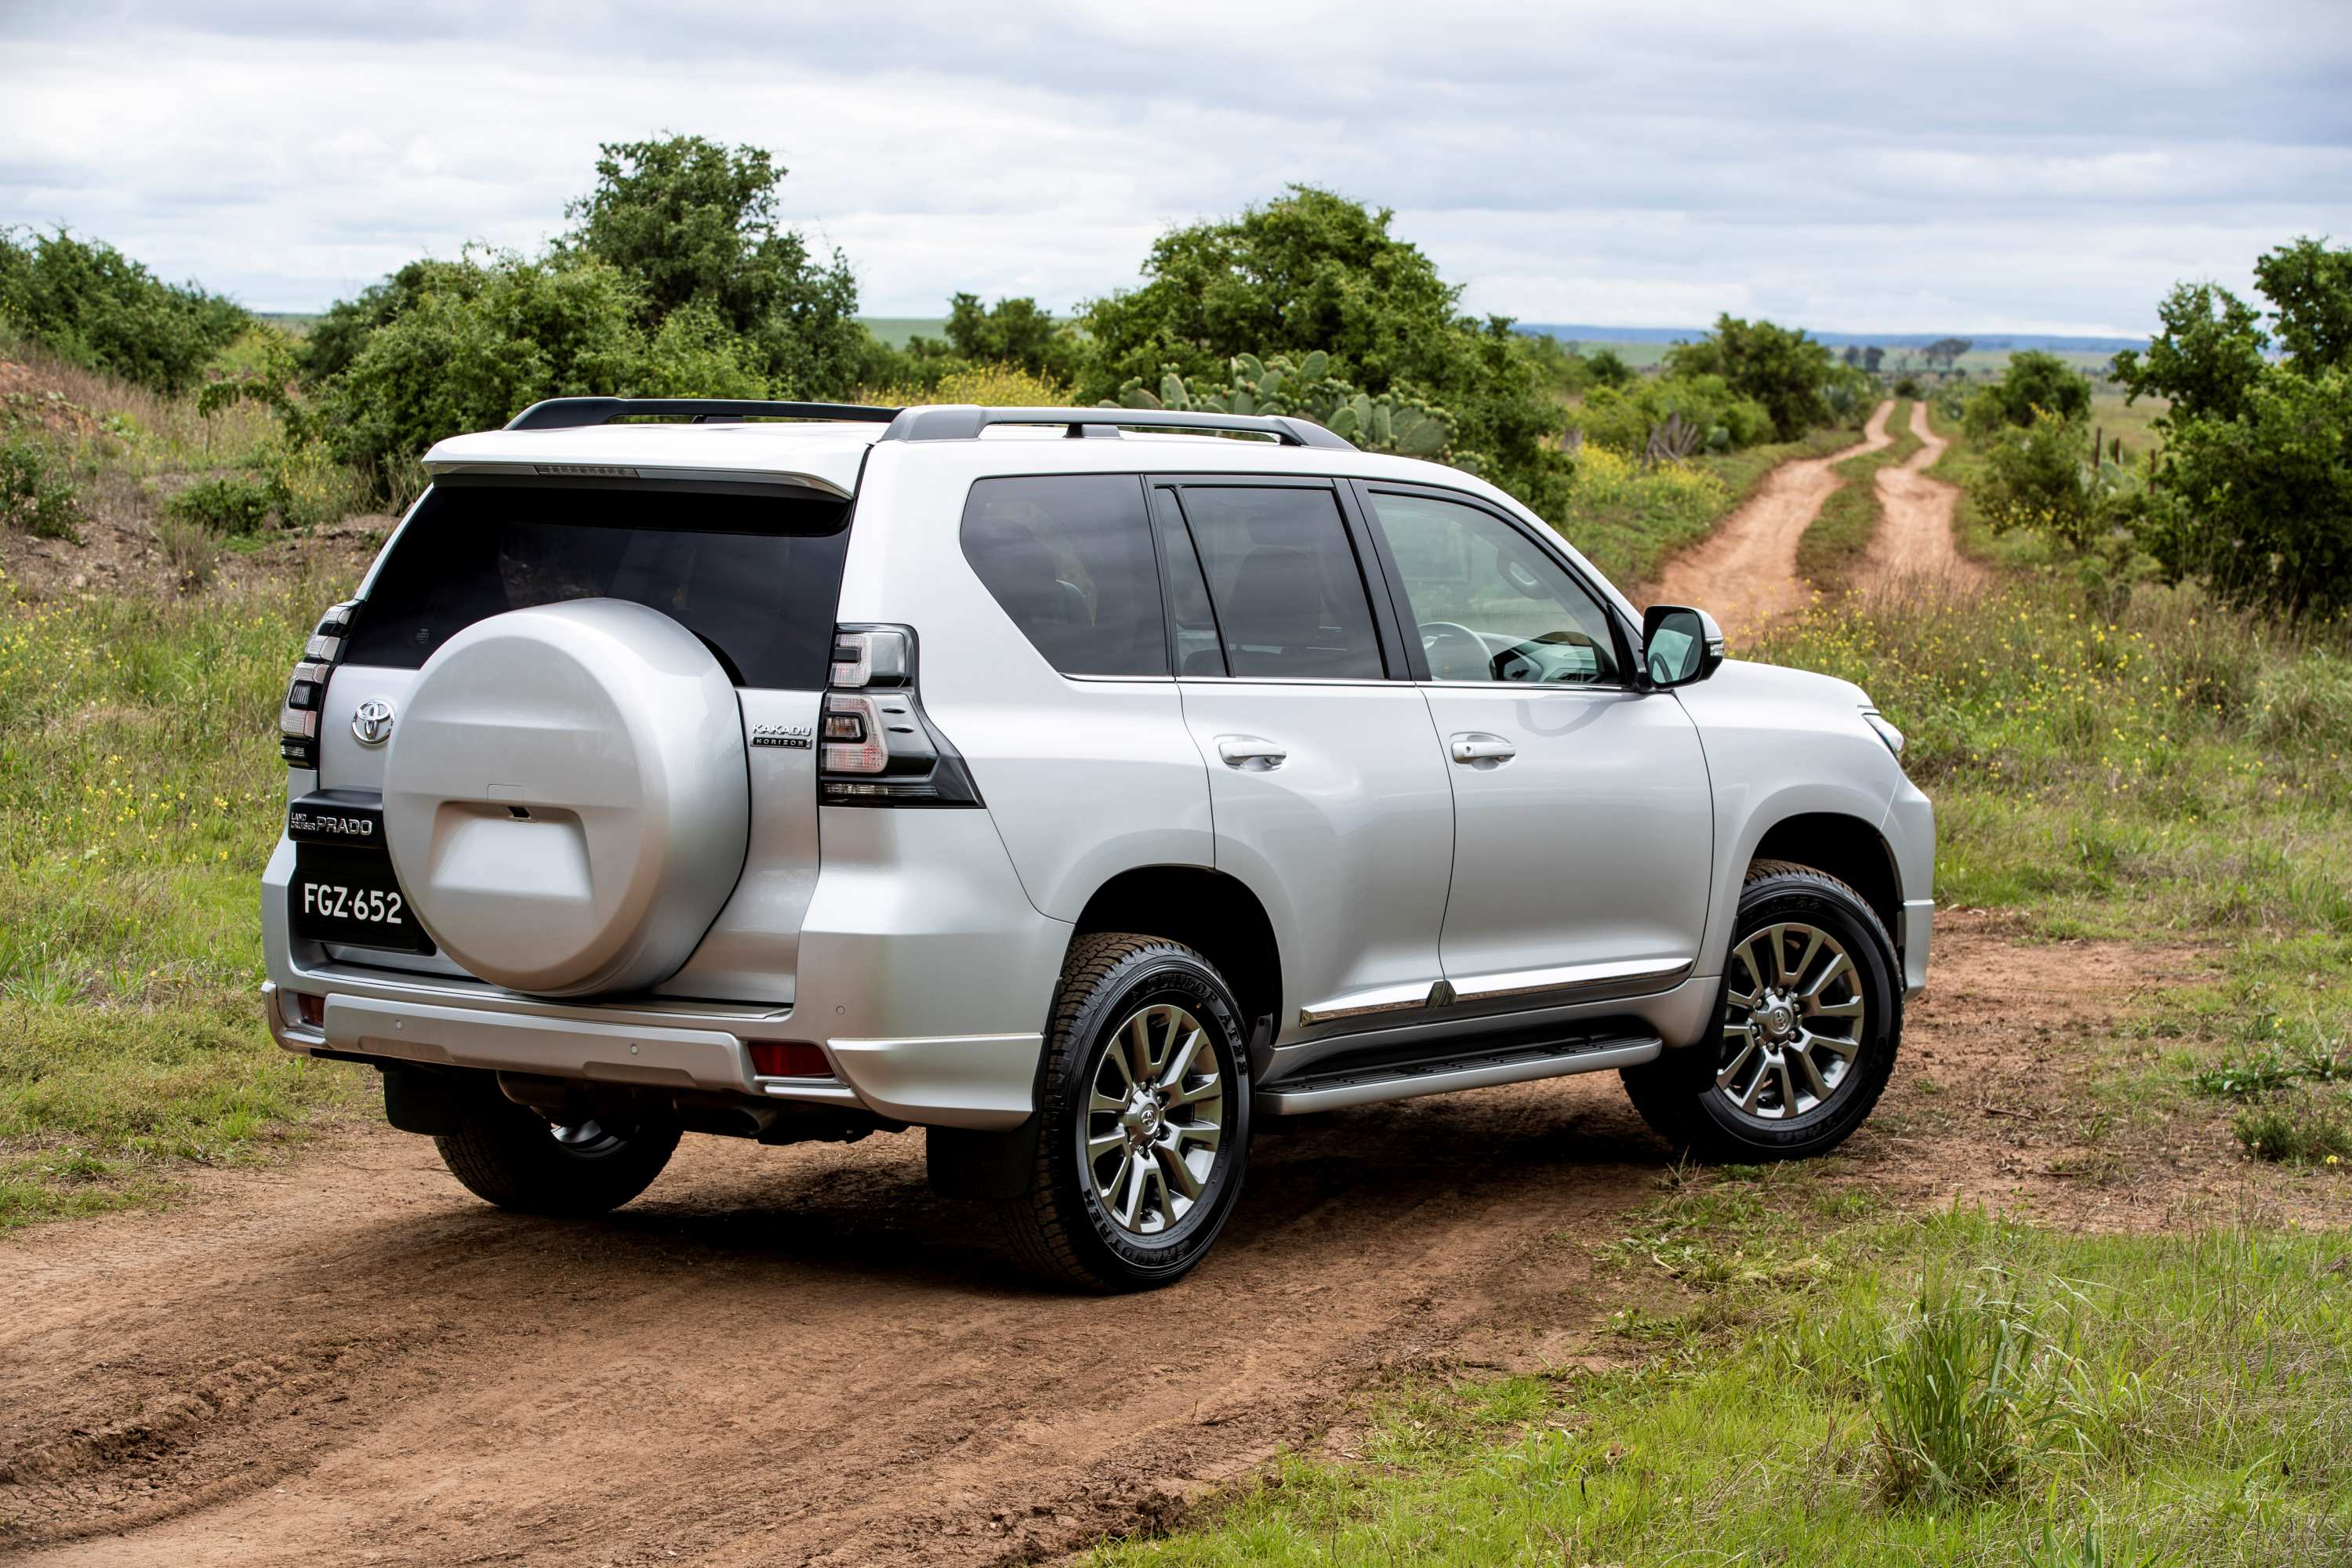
column 139, row 796
column 1842, row 530
column 1958, row 1390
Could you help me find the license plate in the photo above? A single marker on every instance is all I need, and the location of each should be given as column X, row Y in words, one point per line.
column 343, row 890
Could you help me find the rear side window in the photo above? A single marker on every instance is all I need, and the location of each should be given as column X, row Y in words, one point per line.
column 1069, row 558
column 1289, row 597
column 756, row 576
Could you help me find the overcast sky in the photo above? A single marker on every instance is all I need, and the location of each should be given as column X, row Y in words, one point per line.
column 1989, row 166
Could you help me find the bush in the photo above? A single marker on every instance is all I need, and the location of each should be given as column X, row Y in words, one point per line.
column 1621, row 418
column 191, row 550
column 2044, row 479
column 1782, row 369
column 2299, row 1128
column 229, row 506
column 34, row 498
column 88, row 303
column 2032, row 380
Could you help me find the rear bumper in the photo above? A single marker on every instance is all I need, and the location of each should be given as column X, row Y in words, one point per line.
column 984, row 1082
column 927, row 991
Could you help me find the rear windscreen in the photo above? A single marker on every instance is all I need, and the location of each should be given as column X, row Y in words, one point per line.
column 755, row 576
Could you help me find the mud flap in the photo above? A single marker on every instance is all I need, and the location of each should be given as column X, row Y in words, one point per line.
column 994, row 1167
column 421, row 1100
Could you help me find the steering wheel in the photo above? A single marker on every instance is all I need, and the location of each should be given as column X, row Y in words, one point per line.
column 1435, row 634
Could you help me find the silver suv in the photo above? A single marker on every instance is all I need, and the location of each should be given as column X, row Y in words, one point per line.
column 1078, row 784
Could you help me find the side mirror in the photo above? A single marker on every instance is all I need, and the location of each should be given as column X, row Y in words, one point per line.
column 1679, row 645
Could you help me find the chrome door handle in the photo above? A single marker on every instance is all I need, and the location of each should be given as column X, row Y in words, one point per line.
column 1251, row 751
column 1476, row 746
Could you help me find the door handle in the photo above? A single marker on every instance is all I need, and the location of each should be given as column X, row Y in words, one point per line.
column 1476, row 746
column 1253, row 752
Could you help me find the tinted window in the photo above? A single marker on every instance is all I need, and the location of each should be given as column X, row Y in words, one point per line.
column 755, row 576
column 1289, row 599
column 1490, row 603
column 1199, row 650
column 1069, row 557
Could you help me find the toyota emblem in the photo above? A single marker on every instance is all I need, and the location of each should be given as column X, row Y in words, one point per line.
column 371, row 721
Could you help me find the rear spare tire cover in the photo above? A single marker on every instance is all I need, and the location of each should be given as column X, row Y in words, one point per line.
column 567, row 796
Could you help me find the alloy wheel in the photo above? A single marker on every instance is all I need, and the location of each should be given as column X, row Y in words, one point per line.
column 1156, row 1112
column 1793, row 1023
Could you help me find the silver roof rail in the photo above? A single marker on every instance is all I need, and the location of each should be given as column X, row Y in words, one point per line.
column 574, row 413
column 964, row 422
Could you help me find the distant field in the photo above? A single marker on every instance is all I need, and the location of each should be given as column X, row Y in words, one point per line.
column 895, row 330
column 2136, row 422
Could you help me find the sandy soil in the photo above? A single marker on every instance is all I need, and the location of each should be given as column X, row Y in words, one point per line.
column 801, row 1355
column 1915, row 533
column 1745, row 574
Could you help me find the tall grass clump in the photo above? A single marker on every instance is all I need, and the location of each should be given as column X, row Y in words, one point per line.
column 1955, row 1396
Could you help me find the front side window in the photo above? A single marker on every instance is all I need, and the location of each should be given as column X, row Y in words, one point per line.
column 1489, row 604
column 1069, row 557
column 1289, row 598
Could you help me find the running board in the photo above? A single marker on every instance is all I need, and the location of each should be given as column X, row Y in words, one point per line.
column 1344, row 1085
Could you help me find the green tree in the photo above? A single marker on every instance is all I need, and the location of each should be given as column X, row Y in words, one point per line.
column 695, row 223
column 2032, row 380
column 2206, row 360
column 86, row 302
column 1312, row 270
column 476, row 344
column 2252, row 485
column 2310, row 288
column 1781, row 368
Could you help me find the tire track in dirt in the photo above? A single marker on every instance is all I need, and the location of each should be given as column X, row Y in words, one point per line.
column 1914, row 541
column 1745, row 574
column 800, row 1355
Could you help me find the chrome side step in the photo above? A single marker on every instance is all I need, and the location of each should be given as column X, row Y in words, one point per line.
column 1343, row 1085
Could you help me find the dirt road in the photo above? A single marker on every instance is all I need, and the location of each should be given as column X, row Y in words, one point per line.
column 1745, row 574
column 799, row 1355
column 1915, row 532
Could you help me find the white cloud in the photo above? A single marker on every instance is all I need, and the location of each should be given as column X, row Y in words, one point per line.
column 2005, row 166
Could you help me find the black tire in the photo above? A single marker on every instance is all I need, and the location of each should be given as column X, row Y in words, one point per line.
column 1060, row 1227
column 1677, row 1094
column 509, row 1154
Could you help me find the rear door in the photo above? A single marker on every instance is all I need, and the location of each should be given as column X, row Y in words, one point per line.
column 1584, row 833
column 753, row 571
column 1327, row 796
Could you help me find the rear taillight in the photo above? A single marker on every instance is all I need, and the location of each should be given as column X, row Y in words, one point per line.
column 875, row 744
column 306, row 694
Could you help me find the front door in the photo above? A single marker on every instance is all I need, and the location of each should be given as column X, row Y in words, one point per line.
column 1326, row 791
column 1583, row 837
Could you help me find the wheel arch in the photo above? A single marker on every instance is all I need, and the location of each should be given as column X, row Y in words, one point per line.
column 1847, row 848
column 1213, row 913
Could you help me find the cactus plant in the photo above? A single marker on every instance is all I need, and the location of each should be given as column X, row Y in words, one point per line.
column 1310, row 388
